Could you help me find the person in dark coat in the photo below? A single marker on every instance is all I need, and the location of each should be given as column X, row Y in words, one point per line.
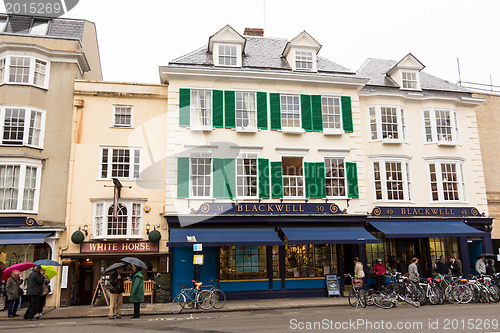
column 137, row 290
column 2, row 287
column 35, row 290
column 14, row 292
column 455, row 265
column 43, row 297
column 442, row 267
column 490, row 267
column 116, row 297
column 401, row 267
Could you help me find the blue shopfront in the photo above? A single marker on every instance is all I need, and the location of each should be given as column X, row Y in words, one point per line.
column 266, row 250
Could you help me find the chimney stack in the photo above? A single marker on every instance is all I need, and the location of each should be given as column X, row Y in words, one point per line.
column 254, row 32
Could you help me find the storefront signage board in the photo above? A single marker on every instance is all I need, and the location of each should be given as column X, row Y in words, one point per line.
column 425, row 211
column 332, row 285
column 124, row 247
column 269, row 209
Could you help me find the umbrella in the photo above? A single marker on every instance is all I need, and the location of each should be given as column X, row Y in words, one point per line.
column 486, row 255
column 134, row 261
column 115, row 266
column 21, row 267
column 46, row 262
column 50, row 271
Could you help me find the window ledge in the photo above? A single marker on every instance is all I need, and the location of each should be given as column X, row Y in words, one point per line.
column 333, row 131
column 292, row 130
column 295, row 198
column 447, row 143
column 121, row 237
column 201, row 128
column 122, row 127
column 392, row 141
column 25, row 84
column 246, row 129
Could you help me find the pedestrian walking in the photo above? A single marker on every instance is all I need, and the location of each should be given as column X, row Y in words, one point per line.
column 34, row 291
column 379, row 270
column 441, row 266
column 137, row 290
column 14, row 292
column 401, row 267
column 116, row 294
column 2, row 287
column 490, row 268
column 413, row 274
column 455, row 265
column 481, row 265
column 43, row 297
column 359, row 272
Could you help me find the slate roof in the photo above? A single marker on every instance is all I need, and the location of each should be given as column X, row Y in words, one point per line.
column 260, row 53
column 58, row 27
column 375, row 70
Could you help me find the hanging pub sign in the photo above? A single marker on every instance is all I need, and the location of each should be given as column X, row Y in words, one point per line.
column 425, row 211
column 124, row 247
column 268, row 209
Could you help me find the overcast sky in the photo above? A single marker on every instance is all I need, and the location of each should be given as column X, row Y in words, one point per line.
column 135, row 37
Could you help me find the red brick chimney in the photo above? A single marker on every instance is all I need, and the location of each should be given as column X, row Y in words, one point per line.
column 254, row 32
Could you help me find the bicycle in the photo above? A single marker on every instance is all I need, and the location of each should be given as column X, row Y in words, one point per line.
column 192, row 298
column 387, row 300
column 218, row 296
column 356, row 296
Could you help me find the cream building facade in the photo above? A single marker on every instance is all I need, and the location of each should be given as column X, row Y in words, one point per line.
column 118, row 137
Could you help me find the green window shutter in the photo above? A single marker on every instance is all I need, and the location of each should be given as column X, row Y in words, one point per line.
column 321, row 179
column 230, row 178
column 317, row 113
column 305, row 112
column 276, row 180
column 346, row 113
column 352, row 180
column 184, row 107
column 310, row 180
column 261, row 110
column 263, row 178
column 218, row 178
column 218, row 108
column 182, row 177
column 230, row 111
column 275, row 106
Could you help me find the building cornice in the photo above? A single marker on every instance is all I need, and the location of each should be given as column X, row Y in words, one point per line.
column 422, row 96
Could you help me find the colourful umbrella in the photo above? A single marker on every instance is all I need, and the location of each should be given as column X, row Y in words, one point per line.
column 21, row 267
column 50, row 271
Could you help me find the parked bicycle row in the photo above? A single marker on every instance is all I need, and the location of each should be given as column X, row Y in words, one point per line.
column 198, row 297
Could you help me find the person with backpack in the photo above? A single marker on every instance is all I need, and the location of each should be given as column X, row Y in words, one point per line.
column 379, row 270
column 359, row 272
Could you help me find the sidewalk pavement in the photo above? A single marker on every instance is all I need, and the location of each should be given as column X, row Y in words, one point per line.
column 84, row 311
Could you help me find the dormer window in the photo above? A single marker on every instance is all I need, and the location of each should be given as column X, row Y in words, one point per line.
column 228, row 55
column 409, row 80
column 304, row 60
column 39, row 27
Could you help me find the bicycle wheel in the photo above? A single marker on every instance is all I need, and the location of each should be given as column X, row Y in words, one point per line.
column 433, row 295
column 204, row 299
column 178, row 303
column 368, row 297
column 465, row 293
column 494, row 293
column 353, row 299
column 219, row 299
column 362, row 299
column 382, row 300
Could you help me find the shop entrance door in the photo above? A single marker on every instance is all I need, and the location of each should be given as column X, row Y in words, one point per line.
column 350, row 251
column 475, row 249
column 85, row 284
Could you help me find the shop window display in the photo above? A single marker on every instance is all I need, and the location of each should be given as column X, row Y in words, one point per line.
column 309, row 261
column 243, row 262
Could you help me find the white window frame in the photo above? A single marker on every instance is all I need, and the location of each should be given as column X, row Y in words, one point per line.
column 376, row 130
column 3, row 26
column 291, row 129
column 332, row 130
column 135, row 167
column 206, row 155
column 302, row 156
column 196, row 123
column 37, row 31
column 432, row 123
column 461, row 182
column 251, row 113
column 405, row 179
column 241, row 157
column 23, row 164
column 28, row 112
column 216, row 54
column 115, row 124
column 343, row 158
column 302, row 57
column 100, row 219
column 415, row 83
column 5, row 78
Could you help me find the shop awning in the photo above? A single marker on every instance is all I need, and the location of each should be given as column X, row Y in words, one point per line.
column 20, row 238
column 224, row 237
column 328, row 235
column 424, row 229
